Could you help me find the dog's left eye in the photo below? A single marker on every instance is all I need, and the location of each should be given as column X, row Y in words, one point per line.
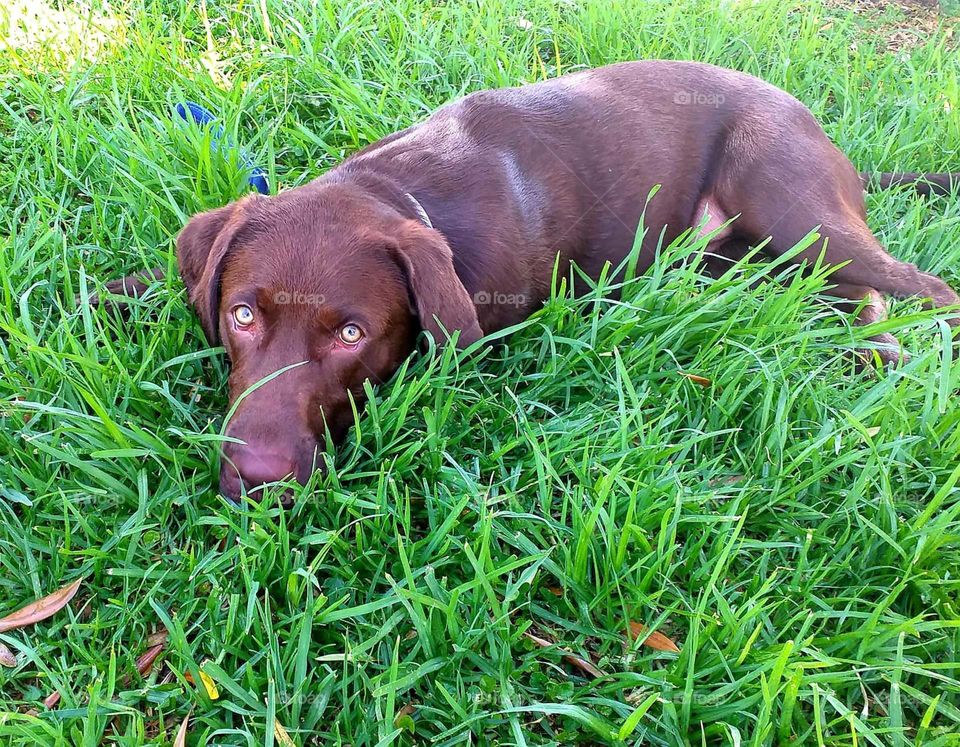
column 243, row 315
column 351, row 334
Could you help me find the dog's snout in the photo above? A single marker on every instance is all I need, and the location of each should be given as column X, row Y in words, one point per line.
column 256, row 464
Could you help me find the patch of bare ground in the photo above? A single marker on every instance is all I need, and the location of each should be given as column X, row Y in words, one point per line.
column 904, row 24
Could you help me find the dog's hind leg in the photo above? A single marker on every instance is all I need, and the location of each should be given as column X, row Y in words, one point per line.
column 872, row 309
column 795, row 187
column 859, row 258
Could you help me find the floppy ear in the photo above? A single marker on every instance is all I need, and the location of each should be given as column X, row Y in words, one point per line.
column 437, row 292
column 202, row 248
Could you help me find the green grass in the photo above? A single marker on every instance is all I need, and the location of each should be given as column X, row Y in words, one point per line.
column 793, row 526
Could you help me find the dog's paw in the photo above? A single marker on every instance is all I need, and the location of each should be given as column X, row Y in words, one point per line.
column 888, row 352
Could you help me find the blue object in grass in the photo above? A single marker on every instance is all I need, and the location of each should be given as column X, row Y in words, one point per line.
column 191, row 112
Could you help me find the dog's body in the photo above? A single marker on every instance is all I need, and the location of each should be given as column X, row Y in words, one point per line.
column 468, row 211
column 513, row 177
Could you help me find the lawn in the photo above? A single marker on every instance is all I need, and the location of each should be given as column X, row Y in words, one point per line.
column 485, row 557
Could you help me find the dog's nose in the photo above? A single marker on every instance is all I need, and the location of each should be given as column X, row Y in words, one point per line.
column 257, row 466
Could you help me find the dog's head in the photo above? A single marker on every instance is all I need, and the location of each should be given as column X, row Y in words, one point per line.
column 324, row 276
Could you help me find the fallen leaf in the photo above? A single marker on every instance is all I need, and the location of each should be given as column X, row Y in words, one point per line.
column 555, row 590
column 572, row 659
column 41, row 609
column 654, row 640
column 51, row 700
column 209, row 685
column 146, row 659
column 701, row 380
column 7, row 659
column 181, row 738
column 281, row 734
column 404, row 718
column 155, row 639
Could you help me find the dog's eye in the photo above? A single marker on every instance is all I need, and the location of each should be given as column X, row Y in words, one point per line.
column 351, row 334
column 243, row 315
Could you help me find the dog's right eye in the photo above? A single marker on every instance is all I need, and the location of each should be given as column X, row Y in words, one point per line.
column 243, row 315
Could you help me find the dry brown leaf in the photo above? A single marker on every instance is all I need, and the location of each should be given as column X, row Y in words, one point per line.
column 555, row 590
column 580, row 663
column 51, row 700
column 7, row 659
column 181, row 738
column 701, row 380
column 41, row 609
column 158, row 638
column 654, row 640
column 404, row 715
column 146, row 659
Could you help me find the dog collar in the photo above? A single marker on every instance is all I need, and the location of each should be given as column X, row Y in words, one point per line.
column 418, row 209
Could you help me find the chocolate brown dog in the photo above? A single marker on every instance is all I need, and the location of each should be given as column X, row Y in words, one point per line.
column 454, row 226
